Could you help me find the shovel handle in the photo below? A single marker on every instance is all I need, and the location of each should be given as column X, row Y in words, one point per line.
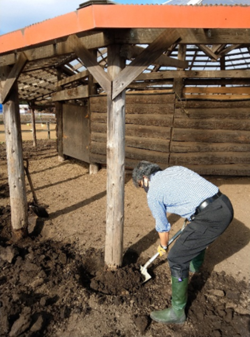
column 150, row 260
column 26, row 168
column 157, row 254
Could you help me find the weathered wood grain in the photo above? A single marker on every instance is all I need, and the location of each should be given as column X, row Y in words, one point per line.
column 139, row 131
column 212, row 124
column 137, row 119
column 186, row 147
column 68, row 94
column 18, row 198
column 220, row 113
column 144, row 59
column 209, row 158
column 90, row 62
column 212, row 104
column 13, row 76
column 215, row 136
column 151, row 144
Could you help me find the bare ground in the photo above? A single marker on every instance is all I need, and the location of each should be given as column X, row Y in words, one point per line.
column 54, row 283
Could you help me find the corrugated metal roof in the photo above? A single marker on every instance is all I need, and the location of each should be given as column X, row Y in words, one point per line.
column 208, row 2
column 226, row 2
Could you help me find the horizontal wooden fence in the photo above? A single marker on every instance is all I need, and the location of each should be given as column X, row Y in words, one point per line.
column 43, row 124
column 210, row 137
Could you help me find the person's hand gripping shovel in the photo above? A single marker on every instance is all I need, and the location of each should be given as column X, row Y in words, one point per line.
column 143, row 269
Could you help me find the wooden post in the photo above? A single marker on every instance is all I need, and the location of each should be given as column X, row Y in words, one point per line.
column 93, row 167
column 59, row 129
column 48, row 129
column 178, row 82
column 59, row 125
column 33, row 122
column 222, row 66
column 18, row 199
column 115, row 165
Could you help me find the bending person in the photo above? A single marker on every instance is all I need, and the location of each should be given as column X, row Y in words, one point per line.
column 181, row 191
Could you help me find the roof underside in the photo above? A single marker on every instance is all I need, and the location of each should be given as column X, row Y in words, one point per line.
column 218, row 38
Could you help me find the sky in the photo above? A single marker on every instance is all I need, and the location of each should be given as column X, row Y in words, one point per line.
column 16, row 14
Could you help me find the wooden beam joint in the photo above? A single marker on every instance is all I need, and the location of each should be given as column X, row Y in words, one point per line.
column 13, row 76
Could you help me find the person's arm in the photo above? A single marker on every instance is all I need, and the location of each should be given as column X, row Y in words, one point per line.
column 164, row 238
column 159, row 212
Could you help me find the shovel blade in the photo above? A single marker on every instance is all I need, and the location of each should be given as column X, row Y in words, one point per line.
column 39, row 211
column 145, row 273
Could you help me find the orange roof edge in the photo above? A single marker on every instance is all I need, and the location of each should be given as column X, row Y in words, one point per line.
column 133, row 16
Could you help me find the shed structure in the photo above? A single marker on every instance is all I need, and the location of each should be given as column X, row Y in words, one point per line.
column 168, row 84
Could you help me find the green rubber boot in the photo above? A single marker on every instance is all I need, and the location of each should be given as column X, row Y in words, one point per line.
column 176, row 313
column 197, row 262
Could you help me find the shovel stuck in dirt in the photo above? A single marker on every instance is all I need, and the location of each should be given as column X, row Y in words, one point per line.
column 38, row 210
column 143, row 269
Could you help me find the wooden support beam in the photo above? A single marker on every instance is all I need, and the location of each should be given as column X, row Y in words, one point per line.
column 195, row 74
column 217, row 90
column 13, row 76
column 59, row 129
column 228, row 49
column 93, row 167
column 144, row 59
column 178, row 82
column 195, row 36
column 68, row 94
column 208, row 52
column 90, row 63
column 33, row 121
column 59, row 124
column 73, row 78
column 130, row 36
column 12, row 126
column 130, row 52
column 115, row 166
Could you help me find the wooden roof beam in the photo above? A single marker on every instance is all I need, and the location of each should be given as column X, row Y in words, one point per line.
column 195, row 36
column 208, row 52
column 90, row 63
column 228, row 49
column 13, row 76
column 195, row 74
column 73, row 78
column 133, row 36
column 133, row 51
column 68, row 94
column 144, row 59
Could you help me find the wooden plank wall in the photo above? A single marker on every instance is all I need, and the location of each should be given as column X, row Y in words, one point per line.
column 148, row 128
column 210, row 137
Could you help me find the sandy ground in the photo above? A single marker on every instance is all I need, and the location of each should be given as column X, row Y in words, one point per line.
column 76, row 203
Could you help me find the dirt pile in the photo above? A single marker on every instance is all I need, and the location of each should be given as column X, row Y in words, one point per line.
column 47, row 286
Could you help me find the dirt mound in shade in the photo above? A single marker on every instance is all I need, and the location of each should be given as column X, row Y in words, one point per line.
column 53, row 289
column 124, row 281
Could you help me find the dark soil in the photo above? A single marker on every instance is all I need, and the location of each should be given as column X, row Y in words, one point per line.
column 52, row 288
column 43, row 284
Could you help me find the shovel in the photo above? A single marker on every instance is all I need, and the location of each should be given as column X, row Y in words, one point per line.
column 143, row 269
column 38, row 210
